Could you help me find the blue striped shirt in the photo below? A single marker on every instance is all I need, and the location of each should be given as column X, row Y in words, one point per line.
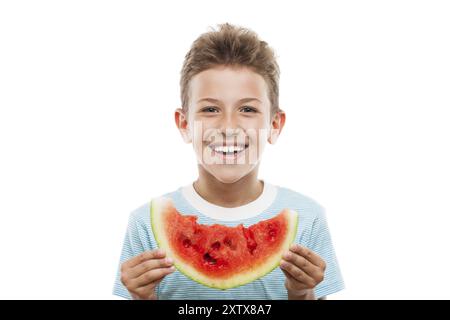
column 312, row 233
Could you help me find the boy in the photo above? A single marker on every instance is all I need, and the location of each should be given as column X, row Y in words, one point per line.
column 229, row 93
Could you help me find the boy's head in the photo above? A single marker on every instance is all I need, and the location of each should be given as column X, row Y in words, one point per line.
column 229, row 95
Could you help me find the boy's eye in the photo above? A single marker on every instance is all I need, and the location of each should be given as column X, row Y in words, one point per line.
column 210, row 109
column 248, row 109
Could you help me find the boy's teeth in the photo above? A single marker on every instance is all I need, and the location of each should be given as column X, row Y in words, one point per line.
column 228, row 149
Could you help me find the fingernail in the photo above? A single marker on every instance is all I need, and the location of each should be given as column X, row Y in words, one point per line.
column 286, row 255
column 169, row 260
column 172, row 268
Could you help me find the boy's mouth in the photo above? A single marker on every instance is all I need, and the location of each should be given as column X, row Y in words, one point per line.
column 228, row 150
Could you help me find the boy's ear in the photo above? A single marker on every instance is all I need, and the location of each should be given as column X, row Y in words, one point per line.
column 182, row 125
column 276, row 125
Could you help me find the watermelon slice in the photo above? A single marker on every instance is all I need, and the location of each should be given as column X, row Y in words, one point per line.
column 219, row 256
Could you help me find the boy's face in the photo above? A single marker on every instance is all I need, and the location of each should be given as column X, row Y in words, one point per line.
column 229, row 121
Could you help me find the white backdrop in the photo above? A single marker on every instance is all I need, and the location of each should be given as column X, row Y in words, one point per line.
column 87, row 133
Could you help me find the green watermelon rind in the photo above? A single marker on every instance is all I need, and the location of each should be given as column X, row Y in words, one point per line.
column 157, row 207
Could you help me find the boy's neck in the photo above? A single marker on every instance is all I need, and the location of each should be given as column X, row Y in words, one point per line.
column 228, row 195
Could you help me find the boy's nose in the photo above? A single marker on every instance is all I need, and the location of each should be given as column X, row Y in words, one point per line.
column 229, row 123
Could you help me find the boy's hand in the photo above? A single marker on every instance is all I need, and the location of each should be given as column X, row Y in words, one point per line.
column 141, row 274
column 304, row 270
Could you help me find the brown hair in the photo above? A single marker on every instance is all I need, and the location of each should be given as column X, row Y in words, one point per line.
column 231, row 46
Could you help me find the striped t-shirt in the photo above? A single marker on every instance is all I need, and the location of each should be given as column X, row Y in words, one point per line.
column 312, row 233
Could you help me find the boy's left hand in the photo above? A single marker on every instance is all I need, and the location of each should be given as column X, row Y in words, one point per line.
column 304, row 270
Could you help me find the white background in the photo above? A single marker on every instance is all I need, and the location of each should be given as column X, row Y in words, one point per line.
column 87, row 94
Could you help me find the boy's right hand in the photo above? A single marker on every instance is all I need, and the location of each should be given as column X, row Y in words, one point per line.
column 142, row 273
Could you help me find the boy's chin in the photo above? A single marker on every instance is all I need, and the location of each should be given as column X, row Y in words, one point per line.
column 229, row 173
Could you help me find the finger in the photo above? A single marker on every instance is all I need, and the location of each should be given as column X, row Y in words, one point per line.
column 144, row 256
column 293, row 283
column 148, row 265
column 303, row 264
column 309, row 255
column 291, row 278
column 297, row 274
column 150, row 277
column 146, row 292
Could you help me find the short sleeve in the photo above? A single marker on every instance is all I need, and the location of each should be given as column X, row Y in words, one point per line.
column 320, row 243
column 134, row 244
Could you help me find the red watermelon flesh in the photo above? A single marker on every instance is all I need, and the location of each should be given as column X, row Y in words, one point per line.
column 219, row 256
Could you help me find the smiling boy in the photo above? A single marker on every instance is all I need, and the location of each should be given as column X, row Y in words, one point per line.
column 229, row 95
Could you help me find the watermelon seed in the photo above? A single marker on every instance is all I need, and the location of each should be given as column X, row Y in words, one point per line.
column 227, row 241
column 216, row 245
column 209, row 259
column 187, row 243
